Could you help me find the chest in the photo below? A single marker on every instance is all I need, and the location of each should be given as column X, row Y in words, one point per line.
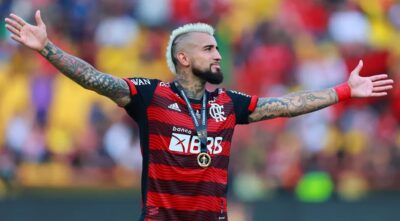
column 171, row 123
column 168, row 106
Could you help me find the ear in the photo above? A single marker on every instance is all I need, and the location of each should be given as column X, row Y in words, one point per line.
column 183, row 59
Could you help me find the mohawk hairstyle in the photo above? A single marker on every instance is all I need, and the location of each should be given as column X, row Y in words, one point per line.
column 188, row 28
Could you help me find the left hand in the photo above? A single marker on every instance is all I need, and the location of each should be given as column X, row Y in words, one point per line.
column 372, row 86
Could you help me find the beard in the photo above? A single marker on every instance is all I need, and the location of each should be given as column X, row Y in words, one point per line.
column 208, row 75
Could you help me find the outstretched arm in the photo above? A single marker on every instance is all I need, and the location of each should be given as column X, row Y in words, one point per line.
column 35, row 37
column 292, row 104
column 86, row 75
column 308, row 101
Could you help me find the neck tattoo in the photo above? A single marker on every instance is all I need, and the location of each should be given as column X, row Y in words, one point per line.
column 194, row 88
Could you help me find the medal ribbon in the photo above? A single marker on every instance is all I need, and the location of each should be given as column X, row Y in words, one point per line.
column 201, row 129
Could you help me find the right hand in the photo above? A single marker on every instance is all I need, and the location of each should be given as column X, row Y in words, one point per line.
column 34, row 37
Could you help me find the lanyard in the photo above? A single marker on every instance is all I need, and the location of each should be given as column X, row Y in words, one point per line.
column 201, row 129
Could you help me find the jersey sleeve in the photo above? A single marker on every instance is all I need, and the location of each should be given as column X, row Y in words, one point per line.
column 243, row 104
column 141, row 92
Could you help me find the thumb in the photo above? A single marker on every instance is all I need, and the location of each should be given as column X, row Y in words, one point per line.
column 38, row 18
column 358, row 68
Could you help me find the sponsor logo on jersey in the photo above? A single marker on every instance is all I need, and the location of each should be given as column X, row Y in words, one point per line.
column 217, row 112
column 181, row 130
column 140, row 81
column 175, row 107
column 184, row 143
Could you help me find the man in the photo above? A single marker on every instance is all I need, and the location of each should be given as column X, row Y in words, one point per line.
column 185, row 130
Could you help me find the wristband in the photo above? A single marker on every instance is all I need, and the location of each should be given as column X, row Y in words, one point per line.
column 343, row 91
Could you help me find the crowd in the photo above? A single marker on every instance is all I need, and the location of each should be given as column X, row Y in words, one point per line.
column 56, row 134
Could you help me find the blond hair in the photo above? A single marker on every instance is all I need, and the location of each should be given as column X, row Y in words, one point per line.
column 188, row 28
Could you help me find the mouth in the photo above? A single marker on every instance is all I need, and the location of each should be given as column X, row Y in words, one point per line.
column 216, row 66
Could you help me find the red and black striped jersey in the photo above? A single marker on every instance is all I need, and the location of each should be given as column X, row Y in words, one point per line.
column 174, row 186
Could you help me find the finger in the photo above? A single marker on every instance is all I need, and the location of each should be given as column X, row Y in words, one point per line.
column 13, row 30
column 359, row 67
column 378, row 77
column 38, row 18
column 17, row 39
column 382, row 88
column 379, row 94
column 18, row 19
column 13, row 23
column 382, row 82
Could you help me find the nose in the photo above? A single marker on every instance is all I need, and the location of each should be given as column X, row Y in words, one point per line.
column 217, row 56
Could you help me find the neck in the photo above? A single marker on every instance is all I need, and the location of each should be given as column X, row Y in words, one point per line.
column 193, row 86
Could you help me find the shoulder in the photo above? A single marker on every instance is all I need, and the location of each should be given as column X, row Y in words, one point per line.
column 237, row 93
column 233, row 94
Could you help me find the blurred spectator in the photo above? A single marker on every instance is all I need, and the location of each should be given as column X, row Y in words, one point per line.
column 153, row 13
column 41, row 96
column 116, row 31
column 121, row 142
column 349, row 26
column 17, row 133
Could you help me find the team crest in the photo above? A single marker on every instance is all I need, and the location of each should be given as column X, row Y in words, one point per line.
column 217, row 112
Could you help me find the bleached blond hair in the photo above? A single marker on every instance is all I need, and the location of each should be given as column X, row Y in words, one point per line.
column 188, row 28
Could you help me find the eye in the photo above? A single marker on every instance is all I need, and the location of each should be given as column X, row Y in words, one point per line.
column 208, row 48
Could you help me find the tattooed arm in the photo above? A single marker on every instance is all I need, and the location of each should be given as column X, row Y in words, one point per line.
column 35, row 37
column 86, row 75
column 306, row 102
column 292, row 104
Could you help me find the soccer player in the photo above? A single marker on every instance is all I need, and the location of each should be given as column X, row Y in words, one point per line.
column 185, row 130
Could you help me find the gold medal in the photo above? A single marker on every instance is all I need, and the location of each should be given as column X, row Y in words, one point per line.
column 204, row 160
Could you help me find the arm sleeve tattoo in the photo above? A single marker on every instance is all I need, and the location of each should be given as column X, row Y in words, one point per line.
column 86, row 75
column 293, row 104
